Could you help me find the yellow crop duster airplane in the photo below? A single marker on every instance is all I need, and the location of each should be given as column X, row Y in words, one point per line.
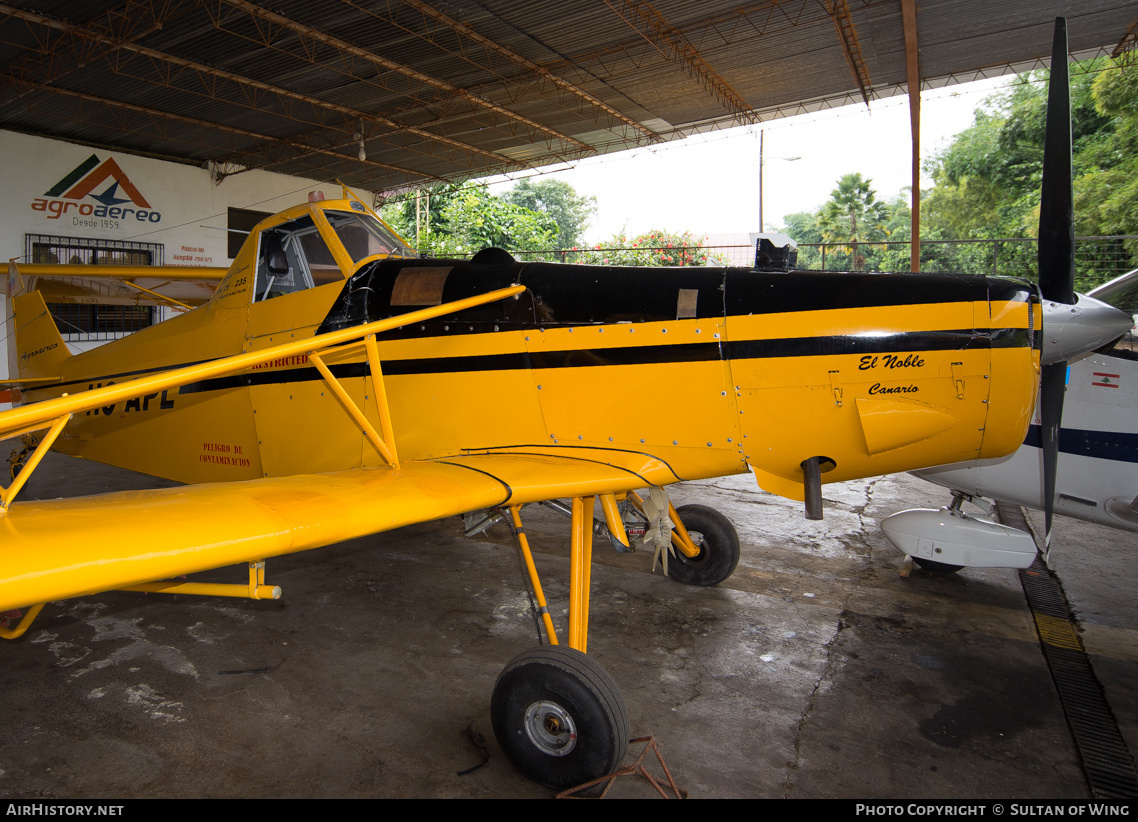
column 335, row 386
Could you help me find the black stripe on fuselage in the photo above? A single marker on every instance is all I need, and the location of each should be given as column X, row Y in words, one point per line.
column 889, row 343
column 1103, row 445
column 102, row 381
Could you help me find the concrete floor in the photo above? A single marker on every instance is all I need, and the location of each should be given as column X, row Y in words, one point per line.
column 815, row 671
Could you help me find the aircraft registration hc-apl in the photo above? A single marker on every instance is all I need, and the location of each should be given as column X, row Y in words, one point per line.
column 335, row 386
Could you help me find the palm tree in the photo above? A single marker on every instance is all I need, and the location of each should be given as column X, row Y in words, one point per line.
column 853, row 216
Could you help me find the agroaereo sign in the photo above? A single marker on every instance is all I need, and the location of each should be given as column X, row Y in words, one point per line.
column 96, row 194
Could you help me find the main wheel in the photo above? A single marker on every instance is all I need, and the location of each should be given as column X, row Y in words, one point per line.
column 559, row 717
column 718, row 544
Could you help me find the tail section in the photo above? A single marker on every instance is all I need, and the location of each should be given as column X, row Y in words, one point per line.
column 38, row 350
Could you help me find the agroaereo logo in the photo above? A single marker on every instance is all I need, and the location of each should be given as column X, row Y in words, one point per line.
column 115, row 197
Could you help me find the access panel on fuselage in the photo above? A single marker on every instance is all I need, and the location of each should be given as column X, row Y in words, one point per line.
column 873, row 372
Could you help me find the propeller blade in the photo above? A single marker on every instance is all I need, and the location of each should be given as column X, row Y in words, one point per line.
column 1056, row 254
column 1052, row 389
column 1056, row 202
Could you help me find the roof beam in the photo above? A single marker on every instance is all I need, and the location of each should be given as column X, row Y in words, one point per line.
column 74, row 49
column 465, row 31
column 676, row 48
column 839, row 11
column 913, row 75
column 251, row 91
column 162, row 121
column 311, row 39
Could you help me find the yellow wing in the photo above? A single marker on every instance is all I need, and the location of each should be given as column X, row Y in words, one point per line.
column 66, row 548
column 178, row 286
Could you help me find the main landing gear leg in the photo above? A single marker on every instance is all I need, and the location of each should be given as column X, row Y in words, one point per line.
column 557, row 714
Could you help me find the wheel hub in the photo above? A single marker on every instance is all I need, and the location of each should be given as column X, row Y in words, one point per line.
column 550, row 728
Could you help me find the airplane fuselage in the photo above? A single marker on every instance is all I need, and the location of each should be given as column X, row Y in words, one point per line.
column 711, row 370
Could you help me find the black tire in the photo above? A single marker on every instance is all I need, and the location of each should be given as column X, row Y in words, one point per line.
column 718, row 544
column 937, row 567
column 559, row 717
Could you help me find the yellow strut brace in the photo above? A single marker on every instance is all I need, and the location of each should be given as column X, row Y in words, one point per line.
column 680, row 535
column 25, row 623
column 380, row 388
column 613, row 518
column 26, row 417
column 385, row 445
column 56, row 412
column 256, row 589
column 353, row 410
column 580, row 570
column 161, row 297
column 7, row 494
column 531, row 569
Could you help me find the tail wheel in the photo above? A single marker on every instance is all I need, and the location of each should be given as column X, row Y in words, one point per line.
column 559, row 717
column 718, row 544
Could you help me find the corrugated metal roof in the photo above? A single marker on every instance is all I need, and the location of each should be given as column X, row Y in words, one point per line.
column 449, row 89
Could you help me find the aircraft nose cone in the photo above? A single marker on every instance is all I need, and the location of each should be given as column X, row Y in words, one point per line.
column 1072, row 331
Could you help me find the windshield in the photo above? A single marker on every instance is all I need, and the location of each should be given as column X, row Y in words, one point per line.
column 364, row 236
column 1122, row 294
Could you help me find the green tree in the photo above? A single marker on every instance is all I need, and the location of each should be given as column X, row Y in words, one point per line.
column 652, row 248
column 853, row 217
column 419, row 213
column 460, row 220
column 987, row 180
column 802, row 227
column 560, row 201
column 1106, row 185
column 477, row 219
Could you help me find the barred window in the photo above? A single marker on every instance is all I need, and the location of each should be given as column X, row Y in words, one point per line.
column 80, row 322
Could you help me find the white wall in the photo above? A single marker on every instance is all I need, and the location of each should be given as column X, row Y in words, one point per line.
column 187, row 212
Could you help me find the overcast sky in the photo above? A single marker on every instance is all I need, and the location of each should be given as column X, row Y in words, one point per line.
column 710, row 184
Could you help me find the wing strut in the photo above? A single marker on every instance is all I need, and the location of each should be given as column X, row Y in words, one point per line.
column 580, row 572
column 9, row 493
column 56, row 412
column 385, row 445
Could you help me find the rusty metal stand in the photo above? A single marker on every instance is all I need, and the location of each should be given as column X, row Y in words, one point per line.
column 635, row 768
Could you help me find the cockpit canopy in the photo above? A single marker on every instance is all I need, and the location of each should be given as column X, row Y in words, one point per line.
column 301, row 253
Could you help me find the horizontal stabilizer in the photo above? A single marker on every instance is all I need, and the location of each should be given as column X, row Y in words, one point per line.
column 156, row 285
